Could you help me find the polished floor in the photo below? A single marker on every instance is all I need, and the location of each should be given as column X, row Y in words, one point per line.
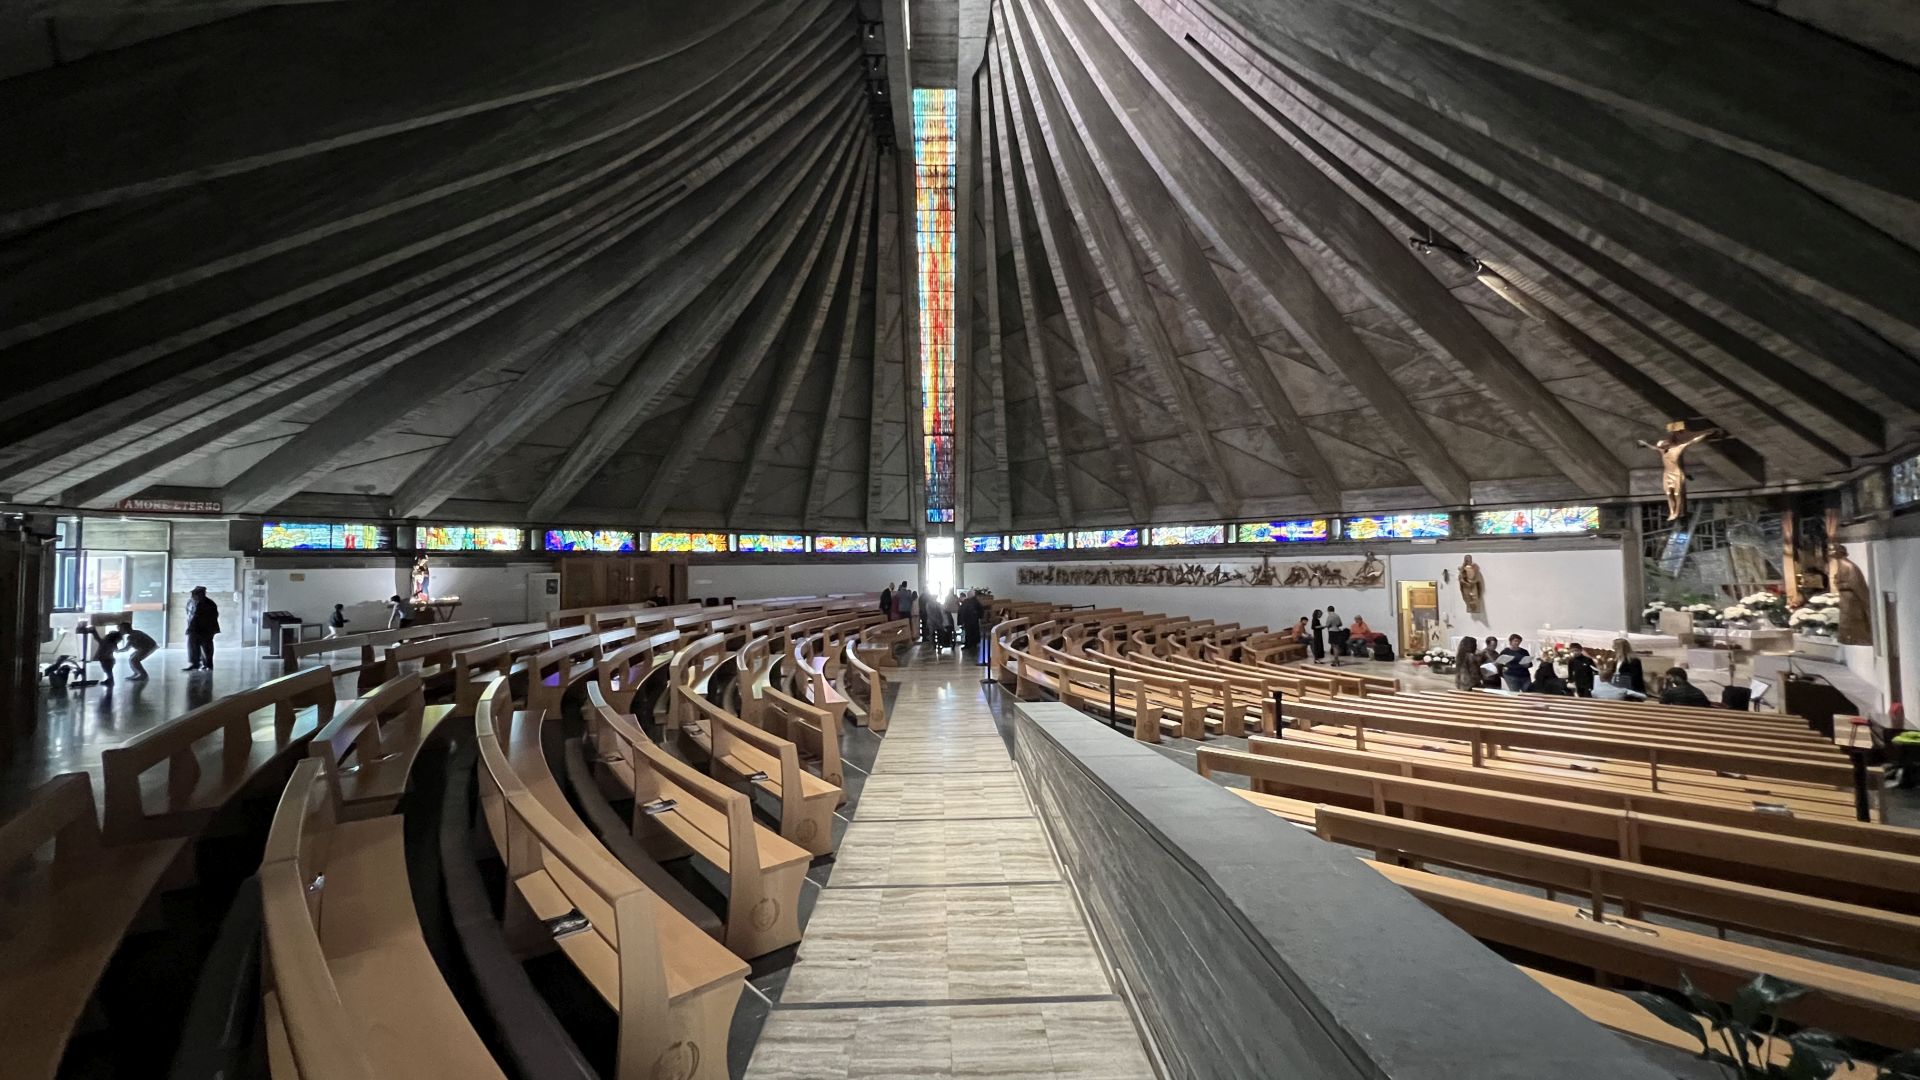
column 946, row 943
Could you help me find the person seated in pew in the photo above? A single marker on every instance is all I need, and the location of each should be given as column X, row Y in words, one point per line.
column 1677, row 689
column 1546, row 680
column 1513, row 664
column 1466, row 665
column 337, row 621
column 659, row 597
column 1581, row 670
column 1300, row 629
column 1360, row 638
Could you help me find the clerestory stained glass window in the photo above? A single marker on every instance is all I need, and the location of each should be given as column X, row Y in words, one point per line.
column 934, row 126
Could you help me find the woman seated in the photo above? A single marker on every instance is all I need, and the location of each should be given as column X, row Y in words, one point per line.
column 1546, row 680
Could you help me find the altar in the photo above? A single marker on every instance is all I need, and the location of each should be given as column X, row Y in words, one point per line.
column 1590, row 638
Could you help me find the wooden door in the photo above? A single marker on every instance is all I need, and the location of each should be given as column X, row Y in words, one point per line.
column 1419, row 615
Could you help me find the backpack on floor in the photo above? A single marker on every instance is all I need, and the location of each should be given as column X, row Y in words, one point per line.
column 1382, row 648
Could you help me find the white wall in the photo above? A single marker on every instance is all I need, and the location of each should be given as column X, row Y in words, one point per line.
column 753, row 581
column 1893, row 566
column 1525, row 591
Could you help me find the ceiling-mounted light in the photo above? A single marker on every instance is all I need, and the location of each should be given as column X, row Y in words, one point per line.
column 1438, row 247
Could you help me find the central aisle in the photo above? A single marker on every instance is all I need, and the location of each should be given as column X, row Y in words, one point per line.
column 946, row 943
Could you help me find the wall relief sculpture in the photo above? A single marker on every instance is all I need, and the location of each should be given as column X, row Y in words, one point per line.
column 1370, row 573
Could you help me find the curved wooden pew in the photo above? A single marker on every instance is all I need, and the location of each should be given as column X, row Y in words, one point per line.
column 551, row 672
column 624, row 673
column 862, row 682
column 673, row 987
column 434, row 655
column 678, row 811
column 370, row 745
column 368, row 666
column 351, row 990
column 67, row 904
column 737, row 750
column 199, row 780
column 474, row 668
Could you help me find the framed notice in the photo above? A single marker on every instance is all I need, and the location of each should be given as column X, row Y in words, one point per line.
column 215, row 574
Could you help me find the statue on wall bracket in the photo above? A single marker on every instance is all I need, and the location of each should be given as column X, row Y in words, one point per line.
column 1856, row 626
column 1673, row 474
column 420, row 579
column 1473, row 587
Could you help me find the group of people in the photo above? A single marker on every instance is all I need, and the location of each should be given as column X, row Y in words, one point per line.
column 203, row 624
column 1325, row 633
column 970, row 611
column 1479, row 666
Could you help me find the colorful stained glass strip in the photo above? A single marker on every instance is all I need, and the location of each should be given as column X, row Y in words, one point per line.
column 935, row 124
column 324, row 536
column 1537, row 521
column 784, row 543
column 1301, row 530
column 587, row 540
column 687, row 542
column 899, row 545
column 978, row 544
column 469, row 538
column 1397, row 527
column 1179, row 535
column 843, row 545
column 1106, row 538
column 1037, row 541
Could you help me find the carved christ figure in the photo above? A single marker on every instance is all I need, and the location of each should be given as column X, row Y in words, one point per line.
column 1856, row 625
column 1673, row 475
column 420, row 575
column 1473, row 587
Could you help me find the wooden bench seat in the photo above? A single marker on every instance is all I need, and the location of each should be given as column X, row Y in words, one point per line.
column 474, row 668
column 353, row 990
column 371, row 744
column 1759, row 814
column 678, row 811
column 145, row 801
column 552, row 672
column 1878, row 1009
column 1516, row 710
column 738, row 751
column 623, row 674
column 858, row 675
column 368, row 664
column 1840, row 927
column 1877, row 879
column 673, row 987
column 67, row 904
column 814, row 731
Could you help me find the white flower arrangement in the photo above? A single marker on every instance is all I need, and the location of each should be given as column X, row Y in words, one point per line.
column 1651, row 615
column 1438, row 658
column 1703, row 614
column 1820, row 616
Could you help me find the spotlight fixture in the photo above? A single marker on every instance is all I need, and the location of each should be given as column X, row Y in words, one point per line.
column 1437, row 247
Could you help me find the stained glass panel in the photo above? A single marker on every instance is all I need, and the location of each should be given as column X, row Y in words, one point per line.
column 1176, row 535
column 1906, row 482
column 935, row 123
column 687, row 542
column 1397, row 527
column 1106, row 538
column 784, row 543
column 1301, row 530
column 324, row 536
column 898, row 545
column 1537, row 521
column 843, row 545
column 469, row 538
column 978, row 544
column 1037, row 541
column 587, row 540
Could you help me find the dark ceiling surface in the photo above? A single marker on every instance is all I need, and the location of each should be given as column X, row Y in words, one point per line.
column 610, row 261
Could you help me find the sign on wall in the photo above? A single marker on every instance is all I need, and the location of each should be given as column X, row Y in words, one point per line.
column 1370, row 573
column 215, row 575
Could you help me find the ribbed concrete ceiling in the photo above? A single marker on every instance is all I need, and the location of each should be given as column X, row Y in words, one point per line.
column 1201, row 298
column 593, row 259
column 605, row 260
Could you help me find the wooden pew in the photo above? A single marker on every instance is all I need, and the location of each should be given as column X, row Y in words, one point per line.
column 678, row 811
column 1757, row 814
column 370, row 746
column 434, row 655
column 624, row 672
column 474, row 668
column 673, row 987
column 140, row 806
column 1875, row 1008
column 1877, row 879
column 368, row 667
column 350, row 988
column 811, row 682
column 1784, row 916
column 67, row 904
column 551, row 672
column 856, row 676
column 1085, row 689
column 736, row 750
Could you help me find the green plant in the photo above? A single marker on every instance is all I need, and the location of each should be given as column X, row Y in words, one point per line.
column 1747, row 1032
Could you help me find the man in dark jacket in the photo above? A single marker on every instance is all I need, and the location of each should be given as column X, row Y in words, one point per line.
column 970, row 624
column 1581, row 670
column 1677, row 689
column 203, row 624
column 886, row 601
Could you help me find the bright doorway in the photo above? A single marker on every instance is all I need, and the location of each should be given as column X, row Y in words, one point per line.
column 940, row 567
column 1419, row 616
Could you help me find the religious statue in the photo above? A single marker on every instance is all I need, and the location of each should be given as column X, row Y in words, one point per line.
column 420, row 594
column 1673, row 475
column 1856, row 627
column 1473, row 587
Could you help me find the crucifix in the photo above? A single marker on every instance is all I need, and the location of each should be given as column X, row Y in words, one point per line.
column 1673, row 475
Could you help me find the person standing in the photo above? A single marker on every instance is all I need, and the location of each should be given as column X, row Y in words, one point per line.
column 1580, row 670
column 203, row 625
column 1513, row 664
column 1546, row 680
column 970, row 612
column 886, row 601
column 337, row 621
column 138, row 645
column 400, row 613
column 1466, row 665
column 1625, row 670
column 1336, row 634
column 1319, row 643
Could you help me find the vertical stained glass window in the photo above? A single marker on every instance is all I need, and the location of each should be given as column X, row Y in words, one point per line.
column 934, row 126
